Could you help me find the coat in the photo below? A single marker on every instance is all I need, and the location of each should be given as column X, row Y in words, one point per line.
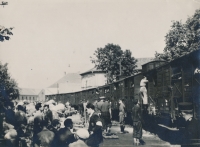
column 96, row 137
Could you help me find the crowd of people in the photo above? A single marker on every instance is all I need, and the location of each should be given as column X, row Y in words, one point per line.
column 50, row 124
column 47, row 124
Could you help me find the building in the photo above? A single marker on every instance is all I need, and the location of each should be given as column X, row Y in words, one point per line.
column 96, row 77
column 93, row 78
column 31, row 95
column 70, row 82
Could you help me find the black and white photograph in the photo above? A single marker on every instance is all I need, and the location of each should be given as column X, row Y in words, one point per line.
column 99, row 73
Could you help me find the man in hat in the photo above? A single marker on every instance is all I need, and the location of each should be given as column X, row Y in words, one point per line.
column 192, row 125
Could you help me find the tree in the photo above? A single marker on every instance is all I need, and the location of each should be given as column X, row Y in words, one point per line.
column 8, row 87
column 181, row 38
column 114, row 61
column 5, row 33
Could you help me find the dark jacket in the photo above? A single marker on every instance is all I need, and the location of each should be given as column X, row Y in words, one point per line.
column 192, row 130
column 64, row 137
column 136, row 113
column 10, row 116
column 96, row 137
column 48, row 115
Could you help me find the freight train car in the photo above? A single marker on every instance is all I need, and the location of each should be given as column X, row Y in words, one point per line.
column 169, row 84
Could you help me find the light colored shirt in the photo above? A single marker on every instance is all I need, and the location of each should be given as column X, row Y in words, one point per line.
column 143, row 82
column 121, row 108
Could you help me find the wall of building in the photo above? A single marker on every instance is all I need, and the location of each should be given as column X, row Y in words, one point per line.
column 30, row 98
column 92, row 80
column 41, row 95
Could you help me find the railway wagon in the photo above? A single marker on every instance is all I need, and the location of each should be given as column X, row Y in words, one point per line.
column 169, row 84
column 172, row 83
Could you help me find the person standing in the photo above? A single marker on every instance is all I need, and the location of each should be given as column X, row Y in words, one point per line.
column 48, row 113
column 81, row 108
column 85, row 102
column 106, row 115
column 137, row 124
column 143, row 92
column 95, row 105
column 121, row 115
column 38, row 118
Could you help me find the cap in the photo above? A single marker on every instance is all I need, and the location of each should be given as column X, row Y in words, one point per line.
column 82, row 133
column 185, row 106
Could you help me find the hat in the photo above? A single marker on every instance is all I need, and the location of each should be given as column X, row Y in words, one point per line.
column 185, row 106
column 102, row 97
column 98, row 123
column 82, row 133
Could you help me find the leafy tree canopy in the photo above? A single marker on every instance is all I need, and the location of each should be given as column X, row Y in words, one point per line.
column 8, row 87
column 111, row 59
column 5, row 33
column 181, row 38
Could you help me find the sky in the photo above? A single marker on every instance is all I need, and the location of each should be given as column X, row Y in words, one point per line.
column 52, row 37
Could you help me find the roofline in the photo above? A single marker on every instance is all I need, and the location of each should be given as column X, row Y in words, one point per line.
column 155, row 61
column 92, row 72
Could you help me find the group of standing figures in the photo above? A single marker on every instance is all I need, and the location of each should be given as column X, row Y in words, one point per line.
column 102, row 109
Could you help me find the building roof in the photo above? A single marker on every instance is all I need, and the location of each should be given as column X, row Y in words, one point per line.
column 69, row 88
column 142, row 61
column 68, row 78
column 51, row 91
column 71, row 82
column 27, row 91
column 92, row 70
